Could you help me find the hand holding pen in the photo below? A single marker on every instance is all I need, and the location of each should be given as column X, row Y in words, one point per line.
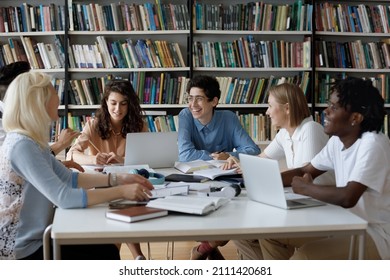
column 105, row 158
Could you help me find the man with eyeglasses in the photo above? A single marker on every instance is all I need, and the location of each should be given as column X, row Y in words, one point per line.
column 206, row 133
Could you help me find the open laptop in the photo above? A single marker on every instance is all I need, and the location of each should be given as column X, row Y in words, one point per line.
column 263, row 183
column 157, row 149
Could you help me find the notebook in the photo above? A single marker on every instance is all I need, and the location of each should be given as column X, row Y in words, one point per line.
column 157, row 149
column 263, row 183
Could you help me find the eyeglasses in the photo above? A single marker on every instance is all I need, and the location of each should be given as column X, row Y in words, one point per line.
column 195, row 99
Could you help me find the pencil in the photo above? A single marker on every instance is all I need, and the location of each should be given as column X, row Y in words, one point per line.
column 93, row 145
column 236, row 162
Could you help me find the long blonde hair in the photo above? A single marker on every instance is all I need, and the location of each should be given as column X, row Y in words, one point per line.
column 25, row 106
column 294, row 96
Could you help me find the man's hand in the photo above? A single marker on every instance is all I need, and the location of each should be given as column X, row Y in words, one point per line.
column 300, row 184
column 220, row 155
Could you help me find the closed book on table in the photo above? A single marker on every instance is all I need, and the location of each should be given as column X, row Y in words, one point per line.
column 135, row 213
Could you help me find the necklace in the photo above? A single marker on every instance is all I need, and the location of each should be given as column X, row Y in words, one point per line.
column 116, row 133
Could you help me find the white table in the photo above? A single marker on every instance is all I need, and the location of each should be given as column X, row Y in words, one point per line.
column 239, row 219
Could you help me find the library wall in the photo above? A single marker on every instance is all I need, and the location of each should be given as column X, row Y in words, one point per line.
column 159, row 45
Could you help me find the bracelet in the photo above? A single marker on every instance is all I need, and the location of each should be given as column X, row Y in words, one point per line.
column 112, row 179
column 51, row 151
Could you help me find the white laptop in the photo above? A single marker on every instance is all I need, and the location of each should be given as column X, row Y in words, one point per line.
column 263, row 183
column 157, row 149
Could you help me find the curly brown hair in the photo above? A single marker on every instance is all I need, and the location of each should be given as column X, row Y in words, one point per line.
column 132, row 122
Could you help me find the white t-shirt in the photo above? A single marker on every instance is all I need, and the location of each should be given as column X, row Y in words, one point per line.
column 307, row 141
column 367, row 162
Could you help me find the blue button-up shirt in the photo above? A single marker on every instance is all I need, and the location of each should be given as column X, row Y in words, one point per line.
column 223, row 133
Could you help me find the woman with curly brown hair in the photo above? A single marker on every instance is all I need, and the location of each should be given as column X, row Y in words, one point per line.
column 105, row 135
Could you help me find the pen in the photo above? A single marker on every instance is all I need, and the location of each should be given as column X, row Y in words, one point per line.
column 235, row 161
column 93, row 145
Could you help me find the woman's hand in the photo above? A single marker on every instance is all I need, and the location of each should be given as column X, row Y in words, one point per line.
column 135, row 187
column 101, row 158
column 67, row 136
column 65, row 139
column 125, row 178
column 114, row 158
column 137, row 192
column 71, row 164
column 104, row 158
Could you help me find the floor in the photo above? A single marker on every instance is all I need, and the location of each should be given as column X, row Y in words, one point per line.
column 181, row 250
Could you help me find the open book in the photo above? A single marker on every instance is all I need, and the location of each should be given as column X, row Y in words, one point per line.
column 215, row 172
column 197, row 205
column 196, row 165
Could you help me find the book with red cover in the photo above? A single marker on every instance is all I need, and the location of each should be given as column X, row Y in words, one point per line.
column 135, row 213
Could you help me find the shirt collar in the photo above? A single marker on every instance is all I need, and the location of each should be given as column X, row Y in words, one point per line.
column 211, row 125
column 297, row 133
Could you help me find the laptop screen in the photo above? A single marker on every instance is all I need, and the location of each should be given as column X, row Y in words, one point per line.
column 157, row 149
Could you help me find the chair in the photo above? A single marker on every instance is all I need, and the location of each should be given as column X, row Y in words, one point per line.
column 46, row 243
column 169, row 250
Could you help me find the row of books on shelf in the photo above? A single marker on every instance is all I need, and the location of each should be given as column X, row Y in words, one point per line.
column 161, row 89
column 162, row 123
column 257, row 16
column 126, row 53
column 28, row 18
column 356, row 54
column 343, row 17
column 255, row 90
column 128, row 16
column 40, row 55
column 246, row 52
column 324, row 82
column 258, row 126
column 165, row 88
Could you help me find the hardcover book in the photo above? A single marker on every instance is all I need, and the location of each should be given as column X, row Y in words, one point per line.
column 135, row 213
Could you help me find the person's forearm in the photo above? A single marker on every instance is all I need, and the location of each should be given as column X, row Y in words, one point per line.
column 97, row 196
column 82, row 158
column 288, row 175
column 88, row 181
column 57, row 147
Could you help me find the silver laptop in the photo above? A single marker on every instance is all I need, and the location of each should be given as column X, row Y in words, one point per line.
column 263, row 183
column 157, row 149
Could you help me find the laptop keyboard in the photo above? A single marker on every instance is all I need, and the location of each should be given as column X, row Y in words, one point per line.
column 290, row 195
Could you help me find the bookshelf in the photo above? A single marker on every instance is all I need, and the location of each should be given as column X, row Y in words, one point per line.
column 247, row 45
column 136, row 43
column 352, row 39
